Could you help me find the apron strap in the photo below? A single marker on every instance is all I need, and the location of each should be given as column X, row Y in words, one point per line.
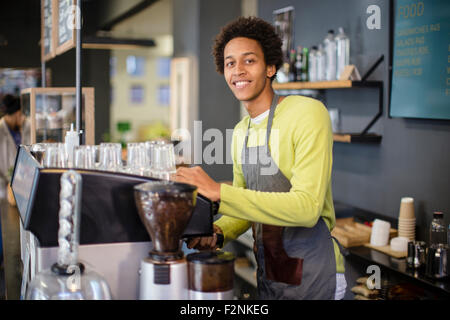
column 270, row 120
column 343, row 250
column 273, row 106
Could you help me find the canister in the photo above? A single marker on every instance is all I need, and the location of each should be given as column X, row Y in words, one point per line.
column 211, row 275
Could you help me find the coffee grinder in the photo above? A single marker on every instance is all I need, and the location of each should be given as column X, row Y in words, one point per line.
column 165, row 208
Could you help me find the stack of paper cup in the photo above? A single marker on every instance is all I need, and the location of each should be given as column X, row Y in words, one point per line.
column 380, row 233
column 399, row 244
column 407, row 219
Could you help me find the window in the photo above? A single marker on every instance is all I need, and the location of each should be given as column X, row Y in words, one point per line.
column 164, row 95
column 135, row 66
column 164, row 67
column 112, row 66
column 136, row 94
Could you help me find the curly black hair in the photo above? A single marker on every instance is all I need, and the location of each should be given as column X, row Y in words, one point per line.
column 253, row 28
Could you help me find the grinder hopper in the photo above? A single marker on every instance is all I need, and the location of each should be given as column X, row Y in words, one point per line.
column 165, row 208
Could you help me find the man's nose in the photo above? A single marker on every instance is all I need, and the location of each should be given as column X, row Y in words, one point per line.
column 240, row 68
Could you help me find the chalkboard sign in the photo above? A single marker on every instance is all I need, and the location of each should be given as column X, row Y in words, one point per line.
column 421, row 61
column 66, row 15
column 48, row 30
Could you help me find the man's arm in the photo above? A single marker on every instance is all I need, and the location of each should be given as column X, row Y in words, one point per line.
column 230, row 227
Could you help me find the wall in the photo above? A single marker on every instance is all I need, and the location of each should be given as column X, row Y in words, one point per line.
column 196, row 22
column 20, row 24
column 414, row 155
column 148, row 111
column 154, row 22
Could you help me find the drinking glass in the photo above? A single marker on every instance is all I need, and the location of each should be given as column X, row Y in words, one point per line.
column 38, row 151
column 163, row 164
column 137, row 159
column 84, row 157
column 110, row 156
column 55, row 156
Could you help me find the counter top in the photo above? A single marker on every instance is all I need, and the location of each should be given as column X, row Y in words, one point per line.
column 11, row 250
column 399, row 266
column 396, row 265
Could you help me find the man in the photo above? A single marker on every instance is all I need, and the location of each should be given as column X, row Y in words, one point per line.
column 14, row 130
column 281, row 173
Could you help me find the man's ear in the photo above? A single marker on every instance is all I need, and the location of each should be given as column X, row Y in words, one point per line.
column 270, row 71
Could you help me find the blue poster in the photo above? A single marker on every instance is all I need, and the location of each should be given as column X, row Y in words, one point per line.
column 421, row 61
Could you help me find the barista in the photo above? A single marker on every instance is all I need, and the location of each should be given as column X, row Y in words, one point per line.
column 282, row 161
column 14, row 130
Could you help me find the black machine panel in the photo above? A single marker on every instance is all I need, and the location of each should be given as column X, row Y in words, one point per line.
column 22, row 181
column 108, row 210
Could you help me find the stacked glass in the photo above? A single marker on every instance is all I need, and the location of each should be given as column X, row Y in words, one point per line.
column 152, row 158
column 85, row 157
column 162, row 160
column 110, row 155
column 137, row 159
column 55, row 155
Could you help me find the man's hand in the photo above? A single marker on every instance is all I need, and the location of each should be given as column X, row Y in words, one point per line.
column 199, row 178
column 205, row 243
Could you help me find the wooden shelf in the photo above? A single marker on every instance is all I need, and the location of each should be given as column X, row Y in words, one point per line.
column 357, row 138
column 336, row 84
column 364, row 136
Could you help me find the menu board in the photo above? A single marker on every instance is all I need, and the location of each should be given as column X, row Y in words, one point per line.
column 47, row 30
column 421, row 60
column 58, row 32
column 66, row 25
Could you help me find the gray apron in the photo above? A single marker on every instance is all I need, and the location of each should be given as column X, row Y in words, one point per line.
column 293, row 262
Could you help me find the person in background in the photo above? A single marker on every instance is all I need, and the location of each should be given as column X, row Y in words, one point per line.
column 14, row 130
column 282, row 163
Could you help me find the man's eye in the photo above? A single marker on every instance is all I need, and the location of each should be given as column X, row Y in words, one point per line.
column 229, row 64
column 248, row 61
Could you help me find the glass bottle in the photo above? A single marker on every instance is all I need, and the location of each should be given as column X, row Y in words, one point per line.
column 330, row 54
column 299, row 64
column 448, row 234
column 438, row 232
column 343, row 52
column 292, row 70
column 321, row 64
column 305, row 66
column 313, row 64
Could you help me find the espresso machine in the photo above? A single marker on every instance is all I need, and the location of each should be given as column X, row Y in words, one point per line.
column 165, row 208
column 112, row 236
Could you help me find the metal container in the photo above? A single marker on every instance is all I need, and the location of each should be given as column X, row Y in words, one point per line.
column 211, row 275
column 438, row 261
column 416, row 254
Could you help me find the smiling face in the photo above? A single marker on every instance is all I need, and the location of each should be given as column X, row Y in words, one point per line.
column 245, row 69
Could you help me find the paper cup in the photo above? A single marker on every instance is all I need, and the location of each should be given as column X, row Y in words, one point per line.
column 399, row 244
column 407, row 208
column 380, row 233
